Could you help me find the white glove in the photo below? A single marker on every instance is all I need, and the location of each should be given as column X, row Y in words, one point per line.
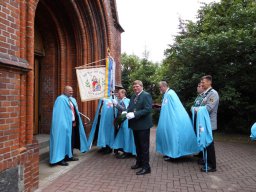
column 130, row 115
column 114, row 101
column 124, row 112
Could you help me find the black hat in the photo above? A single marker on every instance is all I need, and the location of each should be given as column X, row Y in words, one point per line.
column 119, row 86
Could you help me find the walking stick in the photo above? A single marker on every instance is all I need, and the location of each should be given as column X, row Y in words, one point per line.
column 87, row 118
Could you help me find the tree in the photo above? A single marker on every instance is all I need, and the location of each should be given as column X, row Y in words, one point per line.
column 222, row 43
column 134, row 68
column 129, row 64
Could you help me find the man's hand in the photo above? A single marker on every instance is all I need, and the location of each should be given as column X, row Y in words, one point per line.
column 114, row 101
column 156, row 106
column 196, row 109
column 130, row 115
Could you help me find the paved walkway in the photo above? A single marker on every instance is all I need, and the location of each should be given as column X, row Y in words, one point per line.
column 236, row 171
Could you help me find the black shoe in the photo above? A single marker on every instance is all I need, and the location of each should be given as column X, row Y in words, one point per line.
column 169, row 159
column 136, row 166
column 200, row 162
column 107, row 151
column 122, row 156
column 208, row 169
column 197, row 155
column 63, row 163
column 116, row 151
column 165, row 156
column 143, row 171
column 71, row 159
column 100, row 150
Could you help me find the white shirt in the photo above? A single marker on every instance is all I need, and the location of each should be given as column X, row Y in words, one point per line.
column 139, row 93
column 73, row 114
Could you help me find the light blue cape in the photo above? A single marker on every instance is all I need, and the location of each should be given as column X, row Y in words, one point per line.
column 175, row 136
column 203, row 127
column 253, row 132
column 124, row 139
column 106, row 127
column 61, row 130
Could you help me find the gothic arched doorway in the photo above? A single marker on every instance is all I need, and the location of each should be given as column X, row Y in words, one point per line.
column 67, row 34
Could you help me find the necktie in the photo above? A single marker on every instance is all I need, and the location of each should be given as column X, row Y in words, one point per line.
column 136, row 99
column 73, row 110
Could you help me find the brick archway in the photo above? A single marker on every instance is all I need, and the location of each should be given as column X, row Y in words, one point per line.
column 73, row 34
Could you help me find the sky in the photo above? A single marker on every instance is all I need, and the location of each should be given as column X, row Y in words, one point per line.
column 152, row 24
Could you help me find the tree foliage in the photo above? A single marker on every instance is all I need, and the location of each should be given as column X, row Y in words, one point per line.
column 222, row 43
column 134, row 68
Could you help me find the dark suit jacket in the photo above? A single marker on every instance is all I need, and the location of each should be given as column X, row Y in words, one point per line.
column 142, row 111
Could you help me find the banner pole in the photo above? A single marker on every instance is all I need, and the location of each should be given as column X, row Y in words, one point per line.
column 83, row 66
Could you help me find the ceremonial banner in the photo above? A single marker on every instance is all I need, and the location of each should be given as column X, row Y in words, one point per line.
column 91, row 83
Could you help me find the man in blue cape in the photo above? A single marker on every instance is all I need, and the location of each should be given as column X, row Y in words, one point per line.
column 67, row 130
column 174, row 135
column 124, row 139
column 103, row 131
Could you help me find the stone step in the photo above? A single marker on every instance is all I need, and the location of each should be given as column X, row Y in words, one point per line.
column 43, row 141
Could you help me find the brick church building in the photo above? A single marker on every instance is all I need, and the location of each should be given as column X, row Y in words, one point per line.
column 41, row 43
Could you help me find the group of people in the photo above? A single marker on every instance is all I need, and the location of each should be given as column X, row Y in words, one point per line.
column 177, row 135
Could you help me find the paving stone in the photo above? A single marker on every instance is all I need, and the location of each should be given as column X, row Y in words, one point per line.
column 236, row 171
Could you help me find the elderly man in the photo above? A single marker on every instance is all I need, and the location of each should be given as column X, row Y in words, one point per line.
column 174, row 136
column 211, row 102
column 140, row 121
column 67, row 131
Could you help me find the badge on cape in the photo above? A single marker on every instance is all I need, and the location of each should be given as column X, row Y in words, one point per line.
column 211, row 100
column 165, row 101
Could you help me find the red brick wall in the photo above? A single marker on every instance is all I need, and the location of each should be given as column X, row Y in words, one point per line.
column 77, row 33
column 13, row 152
column 9, row 26
column 114, row 33
column 10, row 117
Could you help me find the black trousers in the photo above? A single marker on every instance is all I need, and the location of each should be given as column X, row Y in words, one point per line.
column 211, row 158
column 75, row 138
column 141, row 138
column 95, row 139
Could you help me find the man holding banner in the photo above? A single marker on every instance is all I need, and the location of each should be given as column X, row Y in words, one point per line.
column 103, row 130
